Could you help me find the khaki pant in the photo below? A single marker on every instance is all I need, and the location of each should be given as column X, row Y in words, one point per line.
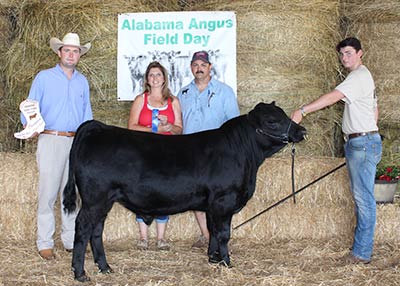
column 52, row 157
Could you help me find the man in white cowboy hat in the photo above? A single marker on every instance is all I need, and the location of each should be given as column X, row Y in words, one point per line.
column 63, row 95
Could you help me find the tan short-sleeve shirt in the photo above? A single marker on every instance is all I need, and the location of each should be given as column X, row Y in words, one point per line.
column 360, row 102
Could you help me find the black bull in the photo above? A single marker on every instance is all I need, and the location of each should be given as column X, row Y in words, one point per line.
column 212, row 171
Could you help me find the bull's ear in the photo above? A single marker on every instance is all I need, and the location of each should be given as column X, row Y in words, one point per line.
column 273, row 103
column 254, row 114
column 259, row 105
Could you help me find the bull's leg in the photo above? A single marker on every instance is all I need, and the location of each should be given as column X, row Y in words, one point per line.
column 221, row 233
column 213, row 251
column 83, row 232
column 96, row 243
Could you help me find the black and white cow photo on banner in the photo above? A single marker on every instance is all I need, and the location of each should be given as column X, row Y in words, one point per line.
column 177, row 65
column 171, row 38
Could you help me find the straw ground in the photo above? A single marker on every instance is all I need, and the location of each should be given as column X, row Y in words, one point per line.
column 269, row 262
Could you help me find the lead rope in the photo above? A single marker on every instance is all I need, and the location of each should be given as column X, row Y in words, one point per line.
column 291, row 195
column 293, row 189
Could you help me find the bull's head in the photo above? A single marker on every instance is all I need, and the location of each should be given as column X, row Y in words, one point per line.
column 273, row 125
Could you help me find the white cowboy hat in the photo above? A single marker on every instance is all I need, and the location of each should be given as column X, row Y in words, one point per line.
column 70, row 39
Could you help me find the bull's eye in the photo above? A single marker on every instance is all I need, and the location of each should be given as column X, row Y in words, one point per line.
column 272, row 125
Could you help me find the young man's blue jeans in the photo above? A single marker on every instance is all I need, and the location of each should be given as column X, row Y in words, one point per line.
column 363, row 153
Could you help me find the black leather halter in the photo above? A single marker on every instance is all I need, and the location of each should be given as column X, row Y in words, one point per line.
column 284, row 138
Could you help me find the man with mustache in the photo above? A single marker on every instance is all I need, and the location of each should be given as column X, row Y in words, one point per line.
column 206, row 103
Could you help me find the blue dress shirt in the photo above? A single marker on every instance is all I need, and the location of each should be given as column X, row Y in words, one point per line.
column 64, row 103
column 208, row 109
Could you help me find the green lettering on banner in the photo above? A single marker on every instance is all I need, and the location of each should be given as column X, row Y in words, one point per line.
column 209, row 25
column 187, row 38
column 155, row 39
column 175, row 25
column 202, row 40
column 125, row 25
column 193, row 24
column 229, row 23
column 149, row 25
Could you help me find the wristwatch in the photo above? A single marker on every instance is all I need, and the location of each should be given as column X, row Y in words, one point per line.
column 303, row 112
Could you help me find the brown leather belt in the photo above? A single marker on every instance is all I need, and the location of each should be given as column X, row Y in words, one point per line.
column 59, row 133
column 354, row 135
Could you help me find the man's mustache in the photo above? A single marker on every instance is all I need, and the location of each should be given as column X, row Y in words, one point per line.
column 199, row 72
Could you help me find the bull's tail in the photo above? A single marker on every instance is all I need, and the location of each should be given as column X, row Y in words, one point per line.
column 69, row 195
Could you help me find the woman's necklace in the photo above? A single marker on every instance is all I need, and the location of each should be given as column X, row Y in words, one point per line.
column 156, row 102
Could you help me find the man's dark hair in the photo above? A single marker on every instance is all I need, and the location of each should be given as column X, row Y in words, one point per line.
column 351, row 41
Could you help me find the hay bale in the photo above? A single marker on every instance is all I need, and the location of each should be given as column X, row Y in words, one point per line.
column 279, row 43
column 380, row 41
column 370, row 11
column 5, row 36
column 391, row 144
column 278, row 46
column 96, row 22
column 377, row 24
column 324, row 211
column 18, row 182
column 272, row 67
column 114, row 114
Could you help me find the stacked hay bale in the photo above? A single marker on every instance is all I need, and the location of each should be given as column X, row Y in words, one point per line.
column 377, row 25
column 6, row 15
column 323, row 211
column 286, row 52
column 18, row 182
column 96, row 22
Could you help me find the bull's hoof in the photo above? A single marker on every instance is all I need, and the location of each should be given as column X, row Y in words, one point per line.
column 82, row 278
column 219, row 262
column 106, row 271
column 214, row 257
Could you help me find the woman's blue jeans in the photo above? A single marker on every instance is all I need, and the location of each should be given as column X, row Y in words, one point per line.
column 363, row 153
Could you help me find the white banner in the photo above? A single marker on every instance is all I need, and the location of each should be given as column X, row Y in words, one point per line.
column 171, row 38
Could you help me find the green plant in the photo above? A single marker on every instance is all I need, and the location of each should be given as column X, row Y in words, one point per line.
column 389, row 173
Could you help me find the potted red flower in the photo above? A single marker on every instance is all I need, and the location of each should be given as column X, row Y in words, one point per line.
column 388, row 173
column 386, row 180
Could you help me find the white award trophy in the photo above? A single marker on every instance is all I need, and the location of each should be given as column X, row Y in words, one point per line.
column 34, row 120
